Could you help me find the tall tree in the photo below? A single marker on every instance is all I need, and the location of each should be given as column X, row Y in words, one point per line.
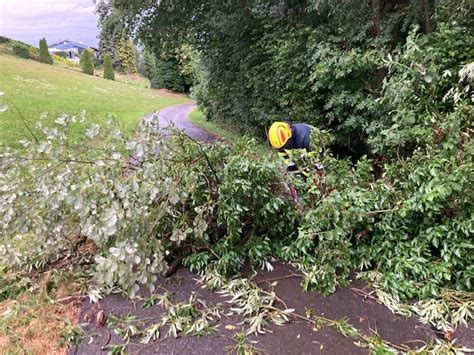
column 146, row 64
column 44, row 57
column 112, row 30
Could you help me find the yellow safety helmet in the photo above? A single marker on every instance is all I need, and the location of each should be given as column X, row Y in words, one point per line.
column 279, row 133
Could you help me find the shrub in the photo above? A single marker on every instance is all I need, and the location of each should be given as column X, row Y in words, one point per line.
column 86, row 62
column 62, row 60
column 44, row 56
column 4, row 39
column 108, row 69
column 62, row 54
column 21, row 50
column 34, row 53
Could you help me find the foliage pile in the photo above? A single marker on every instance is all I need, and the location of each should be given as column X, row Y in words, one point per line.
column 414, row 222
column 184, row 198
column 218, row 206
column 108, row 69
column 86, row 62
column 44, row 57
column 391, row 81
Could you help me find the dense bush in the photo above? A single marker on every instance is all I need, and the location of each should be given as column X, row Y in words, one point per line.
column 314, row 61
column 21, row 50
column 108, row 69
column 86, row 61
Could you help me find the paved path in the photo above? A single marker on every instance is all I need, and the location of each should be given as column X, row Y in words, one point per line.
column 177, row 117
column 294, row 338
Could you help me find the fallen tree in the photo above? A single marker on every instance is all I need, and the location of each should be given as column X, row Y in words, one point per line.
column 215, row 206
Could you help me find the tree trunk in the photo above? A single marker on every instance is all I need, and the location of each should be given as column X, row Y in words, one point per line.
column 376, row 18
column 428, row 13
column 376, row 10
column 245, row 7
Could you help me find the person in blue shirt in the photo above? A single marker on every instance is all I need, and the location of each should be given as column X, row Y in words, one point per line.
column 286, row 136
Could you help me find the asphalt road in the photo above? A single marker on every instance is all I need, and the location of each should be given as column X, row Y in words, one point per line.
column 177, row 117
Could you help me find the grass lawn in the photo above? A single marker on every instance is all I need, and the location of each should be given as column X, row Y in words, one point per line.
column 228, row 133
column 37, row 88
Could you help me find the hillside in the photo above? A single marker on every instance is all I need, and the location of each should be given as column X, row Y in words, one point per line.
column 37, row 88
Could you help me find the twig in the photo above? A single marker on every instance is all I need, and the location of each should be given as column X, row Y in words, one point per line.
column 108, row 339
column 332, row 321
column 280, row 278
column 381, row 211
column 364, row 294
column 146, row 346
column 70, row 298
column 23, row 120
column 50, row 159
column 206, row 157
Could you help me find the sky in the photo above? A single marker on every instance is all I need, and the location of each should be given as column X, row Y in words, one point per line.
column 30, row 20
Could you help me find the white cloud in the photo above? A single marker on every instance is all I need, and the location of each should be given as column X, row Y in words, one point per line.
column 29, row 20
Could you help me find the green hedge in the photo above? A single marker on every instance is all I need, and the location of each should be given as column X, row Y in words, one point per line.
column 21, row 50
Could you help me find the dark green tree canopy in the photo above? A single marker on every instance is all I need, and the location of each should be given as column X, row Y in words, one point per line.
column 316, row 61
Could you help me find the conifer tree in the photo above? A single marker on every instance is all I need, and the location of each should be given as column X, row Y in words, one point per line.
column 45, row 57
column 128, row 55
column 108, row 69
column 86, row 61
column 146, row 64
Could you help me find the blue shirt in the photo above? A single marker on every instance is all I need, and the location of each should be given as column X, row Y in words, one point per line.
column 300, row 138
